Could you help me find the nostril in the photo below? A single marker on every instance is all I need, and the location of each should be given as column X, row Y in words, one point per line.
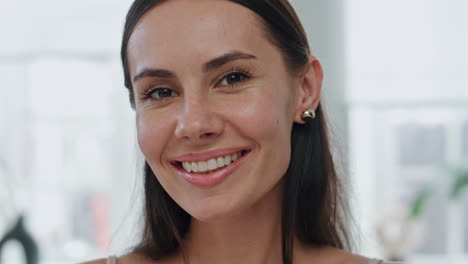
column 207, row 135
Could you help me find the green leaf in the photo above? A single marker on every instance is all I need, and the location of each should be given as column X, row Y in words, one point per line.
column 420, row 202
column 460, row 183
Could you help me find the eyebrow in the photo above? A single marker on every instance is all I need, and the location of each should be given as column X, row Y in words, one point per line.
column 209, row 66
column 153, row 73
column 226, row 58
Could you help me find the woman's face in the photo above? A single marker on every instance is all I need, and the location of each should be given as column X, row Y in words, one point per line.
column 210, row 90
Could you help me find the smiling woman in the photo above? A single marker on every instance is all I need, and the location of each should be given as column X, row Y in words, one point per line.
column 238, row 165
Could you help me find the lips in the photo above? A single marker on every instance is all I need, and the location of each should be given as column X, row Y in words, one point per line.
column 210, row 168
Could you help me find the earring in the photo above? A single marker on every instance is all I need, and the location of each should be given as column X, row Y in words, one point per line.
column 308, row 115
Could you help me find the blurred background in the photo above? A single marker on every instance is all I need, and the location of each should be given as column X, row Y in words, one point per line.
column 395, row 90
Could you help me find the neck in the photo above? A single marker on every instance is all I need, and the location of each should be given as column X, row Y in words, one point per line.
column 253, row 236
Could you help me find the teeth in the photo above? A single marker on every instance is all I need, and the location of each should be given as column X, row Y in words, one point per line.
column 194, row 167
column 186, row 166
column 234, row 156
column 212, row 164
column 227, row 159
column 202, row 166
column 220, row 162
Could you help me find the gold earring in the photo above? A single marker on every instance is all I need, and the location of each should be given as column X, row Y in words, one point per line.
column 308, row 115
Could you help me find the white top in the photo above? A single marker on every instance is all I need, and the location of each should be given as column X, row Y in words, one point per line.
column 113, row 260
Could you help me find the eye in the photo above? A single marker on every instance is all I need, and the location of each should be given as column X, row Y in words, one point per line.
column 233, row 78
column 161, row 93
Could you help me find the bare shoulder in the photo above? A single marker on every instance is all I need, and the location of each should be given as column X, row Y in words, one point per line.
column 345, row 257
column 350, row 258
column 135, row 258
column 125, row 259
column 331, row 255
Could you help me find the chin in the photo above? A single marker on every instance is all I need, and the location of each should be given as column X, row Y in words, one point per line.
column 215, row 209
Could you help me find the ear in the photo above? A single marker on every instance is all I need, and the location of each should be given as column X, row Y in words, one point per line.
column 310, row 84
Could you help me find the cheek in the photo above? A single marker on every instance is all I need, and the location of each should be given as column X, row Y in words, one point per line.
column 264, row 118
column 266, row 115
column 266, row 121
column 150, row 144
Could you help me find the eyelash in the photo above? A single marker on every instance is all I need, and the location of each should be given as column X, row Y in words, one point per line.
column 243, row 71
column 147, row 93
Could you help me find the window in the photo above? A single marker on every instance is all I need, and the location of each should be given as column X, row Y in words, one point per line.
column 409, row 149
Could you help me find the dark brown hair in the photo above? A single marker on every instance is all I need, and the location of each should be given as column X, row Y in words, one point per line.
column 314, row 209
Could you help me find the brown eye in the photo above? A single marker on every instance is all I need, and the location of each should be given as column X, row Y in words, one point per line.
column 162, row 93
column 233, row 78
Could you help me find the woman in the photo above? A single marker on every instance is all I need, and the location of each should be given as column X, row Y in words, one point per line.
column 238, row 166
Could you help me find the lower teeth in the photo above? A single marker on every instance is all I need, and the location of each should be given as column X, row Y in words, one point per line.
column 210, row 171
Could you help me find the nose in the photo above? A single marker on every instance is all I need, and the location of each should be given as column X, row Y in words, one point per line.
column 198, row 121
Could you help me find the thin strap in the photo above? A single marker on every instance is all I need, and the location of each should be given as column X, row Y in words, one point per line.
column 111, row 260
column 375, row 261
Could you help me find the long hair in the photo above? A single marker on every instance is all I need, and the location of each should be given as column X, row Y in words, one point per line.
column 314, row 209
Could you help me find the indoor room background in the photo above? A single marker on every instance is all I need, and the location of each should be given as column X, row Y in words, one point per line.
column 395, row 91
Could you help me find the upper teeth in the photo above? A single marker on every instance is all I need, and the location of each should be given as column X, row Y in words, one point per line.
column 211, row 164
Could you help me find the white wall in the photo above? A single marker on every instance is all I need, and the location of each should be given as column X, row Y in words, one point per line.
column 406, row 51
column 31, row 27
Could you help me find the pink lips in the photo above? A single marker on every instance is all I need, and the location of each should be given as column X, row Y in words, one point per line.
column 213, row 178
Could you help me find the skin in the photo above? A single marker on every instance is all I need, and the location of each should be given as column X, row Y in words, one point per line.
column 238, row 220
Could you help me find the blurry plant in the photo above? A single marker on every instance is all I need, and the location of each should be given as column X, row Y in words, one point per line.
column 459, row 178
column 401, row 232
column 460, row 182
column 420, row 202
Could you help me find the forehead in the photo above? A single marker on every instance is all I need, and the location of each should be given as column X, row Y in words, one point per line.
column 185, row 31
